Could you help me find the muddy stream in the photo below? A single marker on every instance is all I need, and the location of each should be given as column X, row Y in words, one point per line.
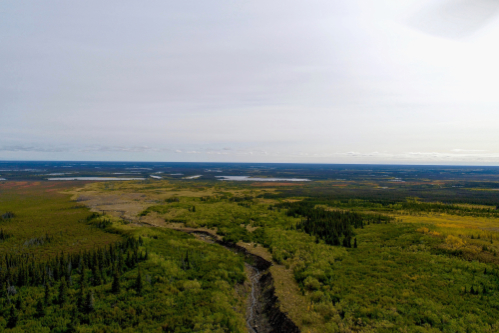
column 262, row 314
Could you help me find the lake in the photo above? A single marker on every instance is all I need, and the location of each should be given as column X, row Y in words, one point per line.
column 94, row 178
column 255, row 179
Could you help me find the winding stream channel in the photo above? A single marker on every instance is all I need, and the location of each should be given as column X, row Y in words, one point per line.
column 263, row 315
column 250, row 322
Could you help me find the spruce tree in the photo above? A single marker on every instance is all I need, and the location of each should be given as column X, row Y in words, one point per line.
column 80, row 301
column 115, row 289
column 120, row 261
column 46, row 296
column 355, row 243
column 40, row 309
column 83, row 280
column 63, row 291
column 19, row 303
column 3, row 290
column 90, row 302
column 96, row 276
column 138, row 283
column 13, row 318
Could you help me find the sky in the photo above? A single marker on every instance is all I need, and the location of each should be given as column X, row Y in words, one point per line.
column 358, row 81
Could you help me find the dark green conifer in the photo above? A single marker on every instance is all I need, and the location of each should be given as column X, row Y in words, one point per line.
column 90, row 302
column 120, row 261
column 115, row 289
column 80, row 298
column 40, row 309
column 355, row 242
column 19, row 303
column 46, row 296
column 128, row 261
column 96, row 276
column 13, row 318
column 63, row 291
column 187, row 261
column 138, row 283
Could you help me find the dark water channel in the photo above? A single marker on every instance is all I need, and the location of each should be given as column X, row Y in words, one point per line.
column 263, row 314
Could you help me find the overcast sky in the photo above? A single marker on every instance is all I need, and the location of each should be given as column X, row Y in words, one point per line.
column 357, row 81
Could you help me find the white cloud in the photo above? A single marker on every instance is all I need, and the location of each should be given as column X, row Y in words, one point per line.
column 322, row 81
column 467, row 150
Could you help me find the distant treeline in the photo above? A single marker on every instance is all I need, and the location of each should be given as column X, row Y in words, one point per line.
column 438, row 207
column 334, row 227
column 455, row 202
column 412, row 205
column 448, row 195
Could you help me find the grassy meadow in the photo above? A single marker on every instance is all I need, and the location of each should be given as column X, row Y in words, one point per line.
column 46, row 222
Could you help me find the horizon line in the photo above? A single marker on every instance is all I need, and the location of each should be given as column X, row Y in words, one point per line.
column 211, row 162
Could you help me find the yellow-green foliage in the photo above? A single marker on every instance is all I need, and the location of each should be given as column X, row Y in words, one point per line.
column 476, row 237
column 412, row 275
column 41, row 210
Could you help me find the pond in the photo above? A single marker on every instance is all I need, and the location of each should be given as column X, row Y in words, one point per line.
column 94, row 178
column 256, row 179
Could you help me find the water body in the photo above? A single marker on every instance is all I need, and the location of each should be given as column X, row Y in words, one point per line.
column 193, row 177
column 95, row 178
column 156, row 177
column 3, row 179
column 255, row 179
